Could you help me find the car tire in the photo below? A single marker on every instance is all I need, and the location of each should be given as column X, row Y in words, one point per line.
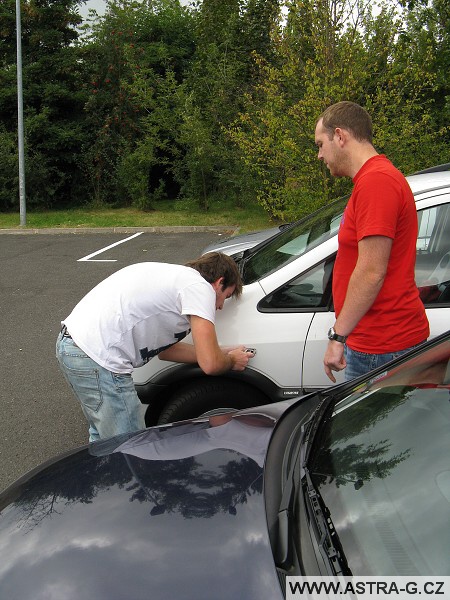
column 202, row 395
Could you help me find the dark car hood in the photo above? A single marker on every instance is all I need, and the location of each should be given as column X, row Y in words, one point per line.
column 172, row 512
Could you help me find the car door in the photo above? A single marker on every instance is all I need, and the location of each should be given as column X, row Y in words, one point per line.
column 307, row 296
column 433, row 262
column 320, row 279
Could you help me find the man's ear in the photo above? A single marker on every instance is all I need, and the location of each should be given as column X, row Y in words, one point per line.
column 341, row 135
column 218, row 284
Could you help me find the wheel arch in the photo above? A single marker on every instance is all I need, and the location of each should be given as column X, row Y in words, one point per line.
column 159, row 389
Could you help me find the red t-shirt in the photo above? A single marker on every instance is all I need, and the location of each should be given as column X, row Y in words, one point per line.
column 382, row 204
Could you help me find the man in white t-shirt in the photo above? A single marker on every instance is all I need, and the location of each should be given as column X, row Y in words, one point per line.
column 139, row 312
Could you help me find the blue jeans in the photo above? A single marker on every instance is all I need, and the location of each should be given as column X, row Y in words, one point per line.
column 109, row 400
column 360, row 363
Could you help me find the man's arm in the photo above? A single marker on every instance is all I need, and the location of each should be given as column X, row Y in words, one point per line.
column 180, row 352
column 363, row 288
column 206, row 351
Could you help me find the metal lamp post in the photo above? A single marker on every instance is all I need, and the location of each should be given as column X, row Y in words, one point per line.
column 23, row 215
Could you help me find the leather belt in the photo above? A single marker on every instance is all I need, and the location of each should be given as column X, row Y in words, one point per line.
column 65, row 332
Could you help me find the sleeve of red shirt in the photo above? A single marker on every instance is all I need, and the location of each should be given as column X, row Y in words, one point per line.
column 377, row 206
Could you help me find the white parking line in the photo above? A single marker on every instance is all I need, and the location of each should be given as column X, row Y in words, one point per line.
column 89, row 257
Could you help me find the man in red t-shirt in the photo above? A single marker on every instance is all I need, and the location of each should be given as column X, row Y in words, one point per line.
column 379, row 314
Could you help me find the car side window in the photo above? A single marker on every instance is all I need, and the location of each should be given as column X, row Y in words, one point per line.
column 433, row 255
column 310, row 290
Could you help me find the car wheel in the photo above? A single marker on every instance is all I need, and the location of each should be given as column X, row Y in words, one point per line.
column 203, row 395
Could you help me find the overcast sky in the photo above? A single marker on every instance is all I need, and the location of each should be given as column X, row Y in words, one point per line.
column 98, row 5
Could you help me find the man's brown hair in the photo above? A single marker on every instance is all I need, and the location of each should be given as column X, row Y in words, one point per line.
column 350, row 116
column 214, row 265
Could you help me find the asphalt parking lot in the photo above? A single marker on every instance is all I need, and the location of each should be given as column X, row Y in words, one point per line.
column 43, row 276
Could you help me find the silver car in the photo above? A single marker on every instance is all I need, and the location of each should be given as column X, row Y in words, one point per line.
column 287, row 308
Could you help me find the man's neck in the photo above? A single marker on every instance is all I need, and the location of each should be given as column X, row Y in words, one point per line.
column 360, row 154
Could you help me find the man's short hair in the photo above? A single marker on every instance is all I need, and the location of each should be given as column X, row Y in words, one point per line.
column 214, row 265
column 350, row 116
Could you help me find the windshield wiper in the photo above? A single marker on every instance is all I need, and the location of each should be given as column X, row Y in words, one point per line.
column 299, row 441
column 283, row 548
column 327, row 537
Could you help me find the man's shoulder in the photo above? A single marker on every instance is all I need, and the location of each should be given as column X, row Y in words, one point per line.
column 381, row 174
column 146, row 267
column 160, row 270
column 380, row 167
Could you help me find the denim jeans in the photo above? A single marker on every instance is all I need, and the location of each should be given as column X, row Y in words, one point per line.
column 360, row 363
column 109, row 400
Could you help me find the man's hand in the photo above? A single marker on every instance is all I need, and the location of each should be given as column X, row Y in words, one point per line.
column 363, row 288
column 334, row 359
column 240, row 358
column 212, row 359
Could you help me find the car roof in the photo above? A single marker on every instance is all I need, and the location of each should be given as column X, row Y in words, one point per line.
column 427, row 182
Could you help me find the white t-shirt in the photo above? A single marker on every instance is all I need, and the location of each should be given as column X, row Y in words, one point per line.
column 137, row 312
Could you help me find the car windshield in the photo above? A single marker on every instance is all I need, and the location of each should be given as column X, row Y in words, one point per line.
column 302, row 237
column 380, row 463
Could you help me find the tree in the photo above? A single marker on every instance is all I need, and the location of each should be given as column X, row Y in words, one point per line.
column 53, row 101
column 222, row 72
column 215, row 101
column 404, row 97
column 315, row 66
column 139, row 53
column 332, row 50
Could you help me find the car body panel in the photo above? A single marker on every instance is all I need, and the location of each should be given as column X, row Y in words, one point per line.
column 239, row 243
column 312, row 364
column 175, row 513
